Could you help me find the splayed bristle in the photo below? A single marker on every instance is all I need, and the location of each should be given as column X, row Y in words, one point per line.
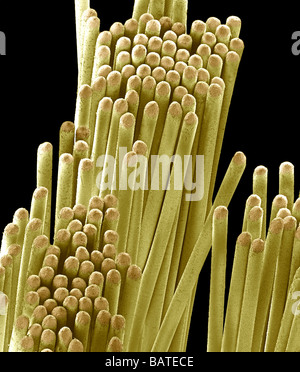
column 239, row 158
column 89, row 13
column 81, row 146
column 191, row 119
column 140, row 148
column 258, row 245
column 256, row 213
column 86, row 165
column 220, row 213
column 127, row 120
column 254, row 201
column 290, row 223
column 152, row 109
column 244, row 239
column 123, row 259
column 276, row 226
column 260, row 171
column 134, row 272
column 45, row 147
column 115, row 345
column 280, row 201
column 130, row 159
column 113, row 276
column 286, row 168
column 67, row 126
column 215, row 90
column 11, row 229
column 85, row 91
column 93, row 23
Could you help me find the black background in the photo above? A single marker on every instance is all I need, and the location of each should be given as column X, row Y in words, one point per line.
column 38, row 79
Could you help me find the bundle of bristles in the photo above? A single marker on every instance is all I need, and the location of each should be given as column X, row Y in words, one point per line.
column 262, row 312
column 119, row 269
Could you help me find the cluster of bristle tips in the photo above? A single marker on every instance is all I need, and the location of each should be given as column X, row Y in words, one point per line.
column 116, row 268
column 262, row 311
column 74, row 289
